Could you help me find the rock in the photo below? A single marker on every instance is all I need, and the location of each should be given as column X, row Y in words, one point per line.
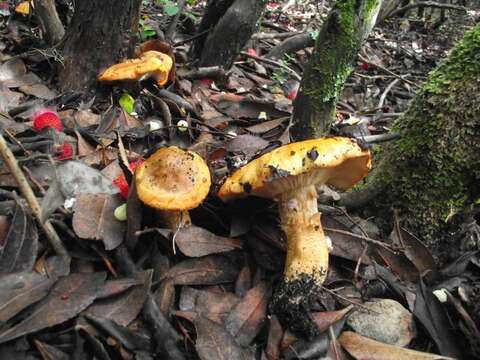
column 388, row 322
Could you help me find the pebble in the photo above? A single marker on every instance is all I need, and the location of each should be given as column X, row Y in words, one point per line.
column 388, row 322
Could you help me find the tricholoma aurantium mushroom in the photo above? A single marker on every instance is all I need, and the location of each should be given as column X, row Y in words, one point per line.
column 174, row 181
column 289, row 175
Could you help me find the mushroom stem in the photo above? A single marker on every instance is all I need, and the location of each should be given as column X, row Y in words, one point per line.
column 175, row 219
column 307, row 248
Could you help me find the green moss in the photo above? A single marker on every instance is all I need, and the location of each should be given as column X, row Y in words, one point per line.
column 431, row 172
column 336, row 47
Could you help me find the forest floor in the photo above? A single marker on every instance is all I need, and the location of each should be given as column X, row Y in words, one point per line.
column 203, row 291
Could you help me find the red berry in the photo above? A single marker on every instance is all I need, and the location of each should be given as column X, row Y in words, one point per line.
column 121, row 181
column 122, row 185
column 65, row 152
column 46, row 119
column 252, row 52
column 365, row 66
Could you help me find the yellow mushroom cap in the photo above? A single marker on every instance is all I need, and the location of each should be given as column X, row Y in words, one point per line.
column 152, row 63
column 23, row 8
column 335, row 161
column 173, row 179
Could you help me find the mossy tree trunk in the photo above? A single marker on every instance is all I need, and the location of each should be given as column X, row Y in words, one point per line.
column 347, row 26
column 431, row 174
column 101, row 32
column 230, row 24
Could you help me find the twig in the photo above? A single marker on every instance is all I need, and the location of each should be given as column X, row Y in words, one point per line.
column 283, row 35
column 361, row 237
column 385, row 93
column 376, row 139
column 331, row 292
column 386, row 70
column 210, row 71
column 31, row 199
column 425, row 4
column 273, row 63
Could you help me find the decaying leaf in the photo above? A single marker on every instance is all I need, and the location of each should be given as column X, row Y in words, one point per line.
column 246, row 319
column 94, row 219
column 69, row 297
column 362, row 348
column 215, row 306
column 215, row 343
column 19, row 248
column 74, row 178
column 325, row 319
column 207, row 270
column 125, row 307
column 20, row 290
column 195, row 241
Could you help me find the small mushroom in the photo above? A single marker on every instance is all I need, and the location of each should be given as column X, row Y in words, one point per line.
column 289, row 174
column 151, row 63
column 174, row 181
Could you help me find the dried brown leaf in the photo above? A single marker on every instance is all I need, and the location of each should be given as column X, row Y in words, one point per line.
column 125, row 307
column 215, row 306
column 215, row 343
column 195, row 241
column 325, row 319
column 69, row 297
column 20, row 290
column 362, row 348
column 207, row 270
column 20, row 246
column 94, row 219
column 246, row 319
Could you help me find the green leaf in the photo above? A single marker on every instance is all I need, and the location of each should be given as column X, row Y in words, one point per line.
column 127, row 102
column 171, row 9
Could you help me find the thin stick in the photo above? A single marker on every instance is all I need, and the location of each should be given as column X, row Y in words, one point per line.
column 273, row 63
column 361, row 237
column 31, row 199
column 365, row 60
column 426, row 4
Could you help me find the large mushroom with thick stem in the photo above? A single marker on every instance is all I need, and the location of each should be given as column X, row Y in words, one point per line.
column 289, row 175
column 174, row 181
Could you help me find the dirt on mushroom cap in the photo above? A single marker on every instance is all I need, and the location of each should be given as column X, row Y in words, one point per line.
column 336, row 161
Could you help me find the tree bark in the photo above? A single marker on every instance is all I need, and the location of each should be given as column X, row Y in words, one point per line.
column 101, row 33
column 339, row 41
column 432, row 173
column 49, row 20
column 231, row 24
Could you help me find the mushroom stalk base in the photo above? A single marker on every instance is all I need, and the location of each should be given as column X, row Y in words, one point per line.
column 306, row 263
column 175, row 219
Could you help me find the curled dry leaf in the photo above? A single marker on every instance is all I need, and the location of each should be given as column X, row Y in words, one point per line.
column 50, row 352
column 362, row 348
column 415, row 250
column 246, row 319
column 325, row 319
column 68, row 298
column 194, row 241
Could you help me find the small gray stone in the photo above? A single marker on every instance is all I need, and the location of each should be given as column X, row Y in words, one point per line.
column 388, row 322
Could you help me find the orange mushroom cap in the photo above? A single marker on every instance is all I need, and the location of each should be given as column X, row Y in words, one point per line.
column 152, row 63
column 23, row 8
column 335, row 161
column 173, row 179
